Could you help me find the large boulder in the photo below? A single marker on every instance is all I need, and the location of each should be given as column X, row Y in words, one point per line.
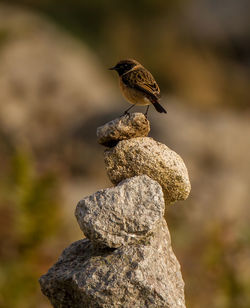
column 143, row 275
column 123, row 214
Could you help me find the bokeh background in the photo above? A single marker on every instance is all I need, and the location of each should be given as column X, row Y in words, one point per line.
column 55, row 90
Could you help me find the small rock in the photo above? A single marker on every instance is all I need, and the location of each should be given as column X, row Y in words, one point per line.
column 131, row 276
column 143, row 155
column 123, row 214
column 125, row 127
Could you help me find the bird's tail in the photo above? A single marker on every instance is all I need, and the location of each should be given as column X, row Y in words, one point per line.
column 159, row 107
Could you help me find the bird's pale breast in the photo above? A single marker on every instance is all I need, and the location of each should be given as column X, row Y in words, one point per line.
column 134, row 96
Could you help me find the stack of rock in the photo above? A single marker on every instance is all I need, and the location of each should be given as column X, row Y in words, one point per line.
column 126, row 259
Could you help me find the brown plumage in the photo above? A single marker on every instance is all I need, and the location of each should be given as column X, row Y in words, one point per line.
column 138, row 85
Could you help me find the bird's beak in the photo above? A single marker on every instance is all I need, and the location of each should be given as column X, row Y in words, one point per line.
column 112, row 68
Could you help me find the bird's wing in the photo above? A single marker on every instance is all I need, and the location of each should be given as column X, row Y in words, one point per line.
column 142, row 80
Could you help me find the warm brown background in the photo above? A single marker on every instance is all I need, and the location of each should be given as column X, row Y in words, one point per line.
column 55, row 90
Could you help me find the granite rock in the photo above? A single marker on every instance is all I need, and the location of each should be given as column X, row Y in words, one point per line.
column 123, row 214
column 143, row 155
column 126, row 127
column 142, row 275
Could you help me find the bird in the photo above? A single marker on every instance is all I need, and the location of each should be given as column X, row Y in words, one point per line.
column 138, row 85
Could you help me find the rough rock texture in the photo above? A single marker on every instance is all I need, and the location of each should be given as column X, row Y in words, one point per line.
column 142, row 275
column 122, row 214
column 125, row 127
column 143, row 155
column 127, row 260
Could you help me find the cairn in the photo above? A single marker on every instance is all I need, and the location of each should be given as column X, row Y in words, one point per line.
column 126, row 259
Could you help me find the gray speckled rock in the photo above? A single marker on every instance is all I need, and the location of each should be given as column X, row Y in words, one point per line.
column 139, row 276
column 143, row 155
column 125, row 127
column 122, row 214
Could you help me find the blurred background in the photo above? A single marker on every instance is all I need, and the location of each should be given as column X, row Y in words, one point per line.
column 55, row 90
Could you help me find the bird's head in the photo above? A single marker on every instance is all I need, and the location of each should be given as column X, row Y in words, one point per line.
column 124, row 66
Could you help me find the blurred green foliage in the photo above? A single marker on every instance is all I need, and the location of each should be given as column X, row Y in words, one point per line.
column 88, row 17
column 29, row 202
column 3, row 37
column 219, row 258
column 213, row 261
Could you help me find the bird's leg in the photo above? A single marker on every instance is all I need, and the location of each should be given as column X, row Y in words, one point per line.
column 146, row 113
column 127, row 111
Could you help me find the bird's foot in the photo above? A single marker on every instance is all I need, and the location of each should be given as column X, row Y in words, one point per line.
column 126, row 113
column 146, row 113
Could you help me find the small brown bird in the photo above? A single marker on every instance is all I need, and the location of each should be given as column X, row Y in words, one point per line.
column 138, row 85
